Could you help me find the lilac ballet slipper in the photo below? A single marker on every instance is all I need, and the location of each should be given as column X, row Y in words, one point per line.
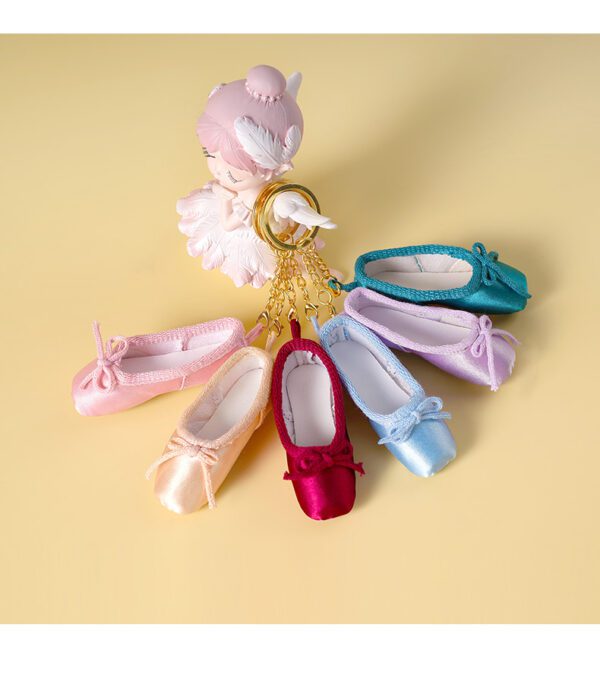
column 456, row 341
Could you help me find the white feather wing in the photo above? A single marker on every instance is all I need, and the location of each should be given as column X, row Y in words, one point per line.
column 293, row 206
column 293, row 138
column 197, row 211
column 238, row 253
column 258, row 142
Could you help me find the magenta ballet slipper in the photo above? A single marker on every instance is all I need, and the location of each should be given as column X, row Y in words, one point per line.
column 132, row 370
column 308, row 407
column 461, row 343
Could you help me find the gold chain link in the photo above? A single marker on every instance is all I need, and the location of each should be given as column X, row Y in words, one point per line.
column 288, row 279
column 319, row 274
column 289, row 276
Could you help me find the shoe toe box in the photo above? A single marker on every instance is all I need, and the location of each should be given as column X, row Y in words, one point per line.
column 85, row 397
column 179, row 485
column 89, row 400
column 429, row 448
column 504, row 360
column 329, row 494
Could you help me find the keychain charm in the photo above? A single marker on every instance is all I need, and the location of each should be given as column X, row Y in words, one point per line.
column 250, row 131
column 297, row 259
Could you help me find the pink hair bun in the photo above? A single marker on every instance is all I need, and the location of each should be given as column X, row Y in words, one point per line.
column 265, row 83
column 262, row 97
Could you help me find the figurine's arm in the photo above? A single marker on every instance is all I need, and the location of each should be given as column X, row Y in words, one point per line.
column 228, row 219
column 292, row 206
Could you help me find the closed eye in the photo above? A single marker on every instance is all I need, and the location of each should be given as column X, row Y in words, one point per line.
column 231, row 178
column 206, row 153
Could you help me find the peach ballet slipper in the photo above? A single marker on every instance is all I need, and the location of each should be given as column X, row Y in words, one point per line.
column 213, row 431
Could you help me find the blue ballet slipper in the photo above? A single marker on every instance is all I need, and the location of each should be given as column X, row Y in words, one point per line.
column 409, row 423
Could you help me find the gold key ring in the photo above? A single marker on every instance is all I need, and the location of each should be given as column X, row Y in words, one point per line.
column 262, row 210
column 297, row 263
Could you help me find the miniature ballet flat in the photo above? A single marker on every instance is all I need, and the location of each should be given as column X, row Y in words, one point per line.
column 132, row 370
column 458, row 342
column 409, row 423
column 308, row 408
column 448, row 275
column 213, row 431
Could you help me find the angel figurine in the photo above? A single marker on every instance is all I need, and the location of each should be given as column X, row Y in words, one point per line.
column 250, row 130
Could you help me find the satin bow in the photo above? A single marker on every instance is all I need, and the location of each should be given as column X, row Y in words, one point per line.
column 180, row 446
column 316, row 460
column 491, row 271
column 430, row 408
column 483, row 344
column 103, row 377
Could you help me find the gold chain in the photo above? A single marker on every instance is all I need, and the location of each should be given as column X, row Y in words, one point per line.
column 288, row 276
column 289, row 279
column 319, row 273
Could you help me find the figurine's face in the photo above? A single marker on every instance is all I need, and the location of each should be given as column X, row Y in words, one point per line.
column 232, row 178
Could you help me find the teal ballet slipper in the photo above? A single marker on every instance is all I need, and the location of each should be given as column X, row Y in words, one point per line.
column 474, row 280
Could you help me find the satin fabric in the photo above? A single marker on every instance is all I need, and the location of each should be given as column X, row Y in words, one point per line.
column 475, row 369
column 496, row 298
column 484, row 293
column 104, row 395
column 180, row 485
column 89, row 401
column 461, row 359
column 329, row 494
column 427, row 451
column 323, row 477
column 430, row 445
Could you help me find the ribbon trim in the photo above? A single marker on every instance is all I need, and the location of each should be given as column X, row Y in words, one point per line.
column 430, row 408
column 313, row 461
column 483, row 344
column 103, row 377
column 180, row 446
column 492, row 272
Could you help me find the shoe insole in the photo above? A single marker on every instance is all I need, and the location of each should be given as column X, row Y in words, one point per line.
column 415, row 328
column 425, row 281
column 375, row 386
column 235, row 404
column 140, row 364
column 309, row 392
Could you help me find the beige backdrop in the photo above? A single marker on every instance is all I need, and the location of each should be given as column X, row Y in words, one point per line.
column 408, row 140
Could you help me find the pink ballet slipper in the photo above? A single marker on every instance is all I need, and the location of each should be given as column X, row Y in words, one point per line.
column 132, row 370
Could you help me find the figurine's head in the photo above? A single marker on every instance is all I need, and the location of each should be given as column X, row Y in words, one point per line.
column 252, row 128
